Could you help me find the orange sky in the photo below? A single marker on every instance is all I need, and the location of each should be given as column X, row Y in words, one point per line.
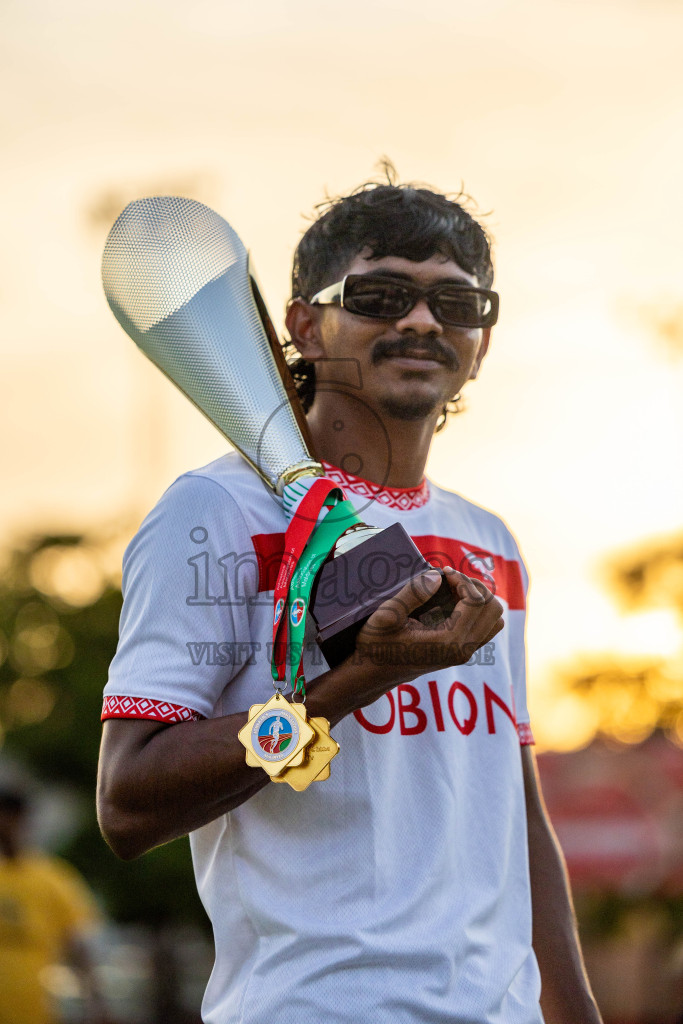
column 563, row 119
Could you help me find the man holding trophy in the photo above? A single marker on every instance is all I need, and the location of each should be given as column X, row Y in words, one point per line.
column 405, row 872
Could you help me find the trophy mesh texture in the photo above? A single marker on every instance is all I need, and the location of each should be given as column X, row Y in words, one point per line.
column 176, row 277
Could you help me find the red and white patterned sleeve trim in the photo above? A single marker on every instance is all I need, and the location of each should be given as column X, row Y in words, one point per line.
column 526, row 737
column 143, row 707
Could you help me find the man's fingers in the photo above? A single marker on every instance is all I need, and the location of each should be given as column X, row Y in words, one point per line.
column 468, row 589
column 475, row 605
column 474, row 621
column 393, row 614
column 496, row 629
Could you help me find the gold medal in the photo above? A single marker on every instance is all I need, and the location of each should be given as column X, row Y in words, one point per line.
column 251, row 760
column 276, row 735
column 316, row 763
column 299, row 709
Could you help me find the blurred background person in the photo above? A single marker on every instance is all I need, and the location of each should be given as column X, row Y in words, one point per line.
column 46, row 915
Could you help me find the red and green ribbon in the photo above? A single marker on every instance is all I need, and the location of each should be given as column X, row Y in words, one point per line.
column 307, row 545
column 336, row 522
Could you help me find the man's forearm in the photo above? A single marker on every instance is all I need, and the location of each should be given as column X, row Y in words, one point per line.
column 158, row 782
column 566, row 996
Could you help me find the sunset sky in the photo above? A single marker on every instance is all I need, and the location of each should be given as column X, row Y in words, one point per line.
column 563, row 119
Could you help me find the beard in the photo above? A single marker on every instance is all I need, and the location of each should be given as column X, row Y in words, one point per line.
column 411, row 408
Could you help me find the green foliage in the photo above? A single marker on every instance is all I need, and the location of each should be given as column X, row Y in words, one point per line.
column 59, row 612
column 608, row 914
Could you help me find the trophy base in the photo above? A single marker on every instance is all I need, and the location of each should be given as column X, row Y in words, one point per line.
column 352, row 585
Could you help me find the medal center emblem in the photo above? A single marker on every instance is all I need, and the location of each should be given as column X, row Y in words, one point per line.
column 275, row 734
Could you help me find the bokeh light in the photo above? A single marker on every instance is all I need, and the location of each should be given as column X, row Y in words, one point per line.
column 67, row 573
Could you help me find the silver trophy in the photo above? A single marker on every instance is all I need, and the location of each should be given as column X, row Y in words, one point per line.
column 179, row 281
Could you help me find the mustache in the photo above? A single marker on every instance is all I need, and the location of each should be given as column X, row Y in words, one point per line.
column 431, row 346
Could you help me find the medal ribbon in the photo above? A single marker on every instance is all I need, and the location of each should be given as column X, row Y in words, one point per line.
column 324, row 537
column 301, row 527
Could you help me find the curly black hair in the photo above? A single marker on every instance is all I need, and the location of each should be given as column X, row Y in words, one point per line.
column 390, row 219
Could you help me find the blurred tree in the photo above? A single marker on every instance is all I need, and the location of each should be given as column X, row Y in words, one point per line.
column 651, row 576
column 632, row 697
column 59, row 609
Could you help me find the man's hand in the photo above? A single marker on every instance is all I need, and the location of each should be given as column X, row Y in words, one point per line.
column 394, row 648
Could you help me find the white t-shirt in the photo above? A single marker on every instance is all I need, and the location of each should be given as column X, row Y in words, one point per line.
column 397, row 891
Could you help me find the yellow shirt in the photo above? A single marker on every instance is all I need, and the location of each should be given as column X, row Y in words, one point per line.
column 43, row 903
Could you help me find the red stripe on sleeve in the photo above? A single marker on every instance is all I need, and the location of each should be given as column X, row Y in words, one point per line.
column 142, row 707
column 526, row 737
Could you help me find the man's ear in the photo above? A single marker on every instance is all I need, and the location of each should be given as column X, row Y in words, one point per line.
column 303, row 323
column 483, row 349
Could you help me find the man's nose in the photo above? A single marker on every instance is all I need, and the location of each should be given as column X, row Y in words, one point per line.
column 420, row 320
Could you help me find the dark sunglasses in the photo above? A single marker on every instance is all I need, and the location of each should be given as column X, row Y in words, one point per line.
column 383, row 298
